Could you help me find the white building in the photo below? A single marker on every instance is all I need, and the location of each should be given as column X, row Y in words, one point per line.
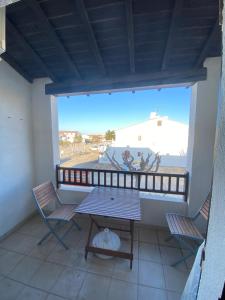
column 68, row 136
column 159, row 134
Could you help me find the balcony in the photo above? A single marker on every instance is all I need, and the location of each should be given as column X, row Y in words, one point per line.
column 83, row 47
column 50, row 272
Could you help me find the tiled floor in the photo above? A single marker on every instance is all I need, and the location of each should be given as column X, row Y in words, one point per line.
column 48, row 272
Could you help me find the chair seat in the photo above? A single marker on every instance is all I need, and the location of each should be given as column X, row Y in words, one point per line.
column 183, row 226
column 65, row 212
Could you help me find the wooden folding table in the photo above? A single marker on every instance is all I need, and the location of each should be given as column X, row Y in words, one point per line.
column 115, row 203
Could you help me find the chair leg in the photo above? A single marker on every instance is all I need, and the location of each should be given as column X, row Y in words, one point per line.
column 44, row 238
column 182, row 259
column 67, row 231
column 76, row 225
column 192, row 251
column 52, row 231
column 60, row 240
column 48, row 233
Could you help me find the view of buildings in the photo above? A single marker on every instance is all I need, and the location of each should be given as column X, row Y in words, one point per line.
column 158, row 134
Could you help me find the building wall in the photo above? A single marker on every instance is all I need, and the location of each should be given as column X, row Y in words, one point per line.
column 16, row 161
column 45, row 132
column 169, row 138
column 213, row 270
column 202, row 131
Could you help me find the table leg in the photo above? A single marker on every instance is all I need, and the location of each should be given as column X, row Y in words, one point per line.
column 132, row 241
column 89, row 238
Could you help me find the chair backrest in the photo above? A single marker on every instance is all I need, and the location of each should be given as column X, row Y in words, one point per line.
column 44, row 194
column 204, row 210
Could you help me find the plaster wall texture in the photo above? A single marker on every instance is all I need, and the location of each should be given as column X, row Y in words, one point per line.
column 45, row 132
column 159, row 134
column 213, row 271
column 16, row 151
column 202, row 130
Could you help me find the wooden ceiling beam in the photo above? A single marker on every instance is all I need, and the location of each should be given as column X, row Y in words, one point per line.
column 207, row 44
column 20, row 40
column 90, row 33
column 11, row 61
column 178, row 4
column 130, row 32
column 46, row 27
column 124, row 82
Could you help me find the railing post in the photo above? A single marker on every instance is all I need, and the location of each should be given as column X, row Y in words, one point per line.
column 186, row 186
column 57, row 176
column 139, row 182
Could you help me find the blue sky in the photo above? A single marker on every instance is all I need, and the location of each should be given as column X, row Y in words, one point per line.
column 99, row 112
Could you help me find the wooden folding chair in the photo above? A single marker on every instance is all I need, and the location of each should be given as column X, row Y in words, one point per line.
column 183, row 228
column 45, row 194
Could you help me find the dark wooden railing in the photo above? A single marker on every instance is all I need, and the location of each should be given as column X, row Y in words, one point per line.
column 164, row 183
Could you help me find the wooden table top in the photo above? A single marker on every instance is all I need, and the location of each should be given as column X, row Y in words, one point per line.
column 112, row 202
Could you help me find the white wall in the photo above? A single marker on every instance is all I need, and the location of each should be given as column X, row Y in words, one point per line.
column 202, row 128
column 45, row 132
column 16, row 171
column 213, row 272
column 169, row 138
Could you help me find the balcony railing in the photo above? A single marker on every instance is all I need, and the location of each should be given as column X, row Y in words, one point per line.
column 163, row 183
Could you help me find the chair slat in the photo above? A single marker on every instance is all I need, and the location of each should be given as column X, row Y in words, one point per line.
column 45, row 194
column 204, row 211
column 180, row 225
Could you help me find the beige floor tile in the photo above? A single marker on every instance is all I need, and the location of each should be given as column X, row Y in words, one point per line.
column 25, row 269
column 43, row 250
column 36, row 229
column 76, row 239
column 62, row 256
column 127, row 235
column 148, row 235
column 95, row 287
column 69, row 283
column 29, row 293
column 125, row 246
column 9, row 289
column 19, row 242
column 46, row 276
column 173, row 296
column 8, row 260
column 150, row 252
column 147, row 293
column 122, row 270
column 170, row 255
column 121, row 290
column 163, row 235
column 100, row 266
column 151, row 274
column 175, row 279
